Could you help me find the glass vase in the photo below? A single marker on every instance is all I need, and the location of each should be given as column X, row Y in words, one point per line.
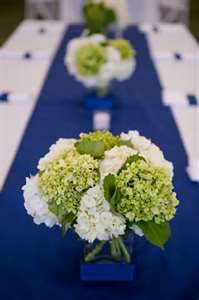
column 99, row 98
column 108, row 260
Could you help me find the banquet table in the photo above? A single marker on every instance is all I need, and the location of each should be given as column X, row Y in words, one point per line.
column 39, row 263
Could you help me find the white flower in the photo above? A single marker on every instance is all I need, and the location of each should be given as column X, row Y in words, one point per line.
column 55, row 151
column 125, row 69
column 114, row 159
column 95, row 220
column 114, row 67
column 36, row 205
column 70, row 57
column 137, row 230
column 139, row 142
column 148, row 150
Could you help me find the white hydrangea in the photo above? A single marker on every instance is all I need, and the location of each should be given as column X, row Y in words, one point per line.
column 147, row 149
column 114, row 67
column 70, row 58
column 36, row 205
column 125, row 69
column 55, row 151
column 95, row 219
column 114, row 159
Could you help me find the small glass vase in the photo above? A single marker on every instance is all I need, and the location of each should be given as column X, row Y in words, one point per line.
column 99, row 98
column 108, row 260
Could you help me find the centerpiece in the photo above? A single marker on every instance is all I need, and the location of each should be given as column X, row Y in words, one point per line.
column 100, row 15
column 96, row 61
column 105, row 188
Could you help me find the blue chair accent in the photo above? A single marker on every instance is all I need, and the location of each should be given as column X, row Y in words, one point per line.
column 192, row 99
column 177, row 56
column 4, row 97
column 92, row 101
column 27, row 55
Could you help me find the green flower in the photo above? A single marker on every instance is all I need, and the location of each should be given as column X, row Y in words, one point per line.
column 89, row 59
column 124, row 47
column 104, row 136
column 146, row 193
column 65, row 180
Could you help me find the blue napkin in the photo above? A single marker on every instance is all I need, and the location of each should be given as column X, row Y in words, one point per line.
column 4, row 97
column 192, row 99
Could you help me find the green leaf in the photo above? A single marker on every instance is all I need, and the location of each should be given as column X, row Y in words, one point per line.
column 129, row 160
column 98, row 17
column 94, row 148
column 109, row 187
column 111, row 193
column 156, row 234
column 66, row 221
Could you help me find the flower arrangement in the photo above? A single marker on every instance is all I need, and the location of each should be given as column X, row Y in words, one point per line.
column 95, row 61
column 104, row 187
column 100, row 14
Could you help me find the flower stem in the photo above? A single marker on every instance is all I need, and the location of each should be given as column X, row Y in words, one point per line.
column 117, row 246
column 124, row 250
column 91, row 255
column 113, row 249
column 102, row 92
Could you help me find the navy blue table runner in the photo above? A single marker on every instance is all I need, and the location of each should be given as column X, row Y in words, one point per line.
column 36, row 262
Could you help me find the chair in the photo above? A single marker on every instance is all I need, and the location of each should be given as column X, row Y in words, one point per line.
column 175, row 11
column 41, row 9
column 70, row 11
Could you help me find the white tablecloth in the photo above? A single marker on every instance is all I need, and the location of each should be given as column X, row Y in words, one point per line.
column 23, row 77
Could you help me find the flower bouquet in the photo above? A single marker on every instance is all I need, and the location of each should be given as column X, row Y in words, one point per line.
column 105, row 188
column 101, row 14
column 96, row 61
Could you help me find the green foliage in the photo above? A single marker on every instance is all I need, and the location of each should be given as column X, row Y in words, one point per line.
column 67, row 221
column 109, row 187
column 94, row 148
column 111, row 193
column 89, row 59
column 157, row 234
column 98, row 17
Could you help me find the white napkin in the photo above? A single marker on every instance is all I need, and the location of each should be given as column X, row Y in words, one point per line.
column 14, row 97
column 101, row 120
column 8, row 54
column 174, row 98
column 193, row 169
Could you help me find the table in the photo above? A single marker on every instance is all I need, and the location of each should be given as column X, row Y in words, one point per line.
column 37, row 263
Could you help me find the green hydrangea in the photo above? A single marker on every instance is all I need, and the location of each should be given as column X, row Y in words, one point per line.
column 124, row 47
column 89, row 59
column 106, row 137
column 66, row 179
column 146, row 193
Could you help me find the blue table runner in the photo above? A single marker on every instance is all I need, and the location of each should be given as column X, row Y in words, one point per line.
column 36, row 262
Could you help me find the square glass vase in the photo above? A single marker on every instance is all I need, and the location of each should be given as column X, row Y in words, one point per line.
column 99, row 100
column 108, row 261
